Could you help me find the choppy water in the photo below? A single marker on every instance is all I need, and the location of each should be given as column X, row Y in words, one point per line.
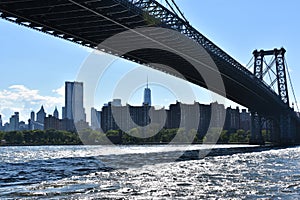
column 86, row 172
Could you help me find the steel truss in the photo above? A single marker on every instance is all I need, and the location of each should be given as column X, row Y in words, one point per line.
column 281, row 77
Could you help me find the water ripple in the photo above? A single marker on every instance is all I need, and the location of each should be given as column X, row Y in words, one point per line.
column 270, row 174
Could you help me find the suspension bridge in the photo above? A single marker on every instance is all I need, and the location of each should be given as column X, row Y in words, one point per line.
column 91, row 22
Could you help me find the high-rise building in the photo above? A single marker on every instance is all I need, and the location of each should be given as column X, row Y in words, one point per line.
column 218, row 115
column 1, row 127
column 74, row 101
column 63, row 113
column 23, row 126
column 40, row 116
column 232, row 121
column 14, row 122
column 116, row 102
column 0, row 120
column 182, row 115
column 31, row 121
column 205, row 117
column 245, row 120
column 147, row 96
column 55, row 113
column 95, row 119
column 32, row 118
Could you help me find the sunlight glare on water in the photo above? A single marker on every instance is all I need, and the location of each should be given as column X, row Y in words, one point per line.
column 74, row 173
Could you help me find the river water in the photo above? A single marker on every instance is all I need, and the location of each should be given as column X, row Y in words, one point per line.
column 144, row 172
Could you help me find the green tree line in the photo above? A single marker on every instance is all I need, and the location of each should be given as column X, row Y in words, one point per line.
column 134, row 136
column 39, row 137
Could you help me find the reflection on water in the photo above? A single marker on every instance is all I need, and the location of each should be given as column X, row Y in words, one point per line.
column 83, row 172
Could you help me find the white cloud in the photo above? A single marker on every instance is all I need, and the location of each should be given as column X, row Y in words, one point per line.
column 60, row 91
column 19, row 98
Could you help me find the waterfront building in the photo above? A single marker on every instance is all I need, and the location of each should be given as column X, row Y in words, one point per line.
column 63, row 111
column 116, row 102
column 245, row 120
column 95, row 119
column 14, row 122
column 52, row 122
column 185, row 116
column 40, row 117
column 205, row 118
column 74, row 101
column 173, row 116
column 31, row 121
column 32, row 116
column 6, row 127
column 107, row 119
column 128, row 117
column 1, row 127
column 232, row 121
column 23, row 126
column 218, row 115
column 140, row 115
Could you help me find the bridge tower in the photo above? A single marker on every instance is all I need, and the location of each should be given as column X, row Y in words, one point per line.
column 283, row 130
column 280, row 78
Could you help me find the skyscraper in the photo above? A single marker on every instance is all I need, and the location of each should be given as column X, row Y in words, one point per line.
column 147, row 95
column 95, row 119
column 74, row 101
column 0, row 122
column 40, row 116
column 32, row 118
column 14, row 122
column 55, row 113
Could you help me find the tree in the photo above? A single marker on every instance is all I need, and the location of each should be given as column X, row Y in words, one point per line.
column 14, row 137
column 224, row 137
column 240, row 136
column 266, row 135
column 212, row 135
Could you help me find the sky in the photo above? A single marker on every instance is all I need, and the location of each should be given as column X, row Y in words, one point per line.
column 35, row 65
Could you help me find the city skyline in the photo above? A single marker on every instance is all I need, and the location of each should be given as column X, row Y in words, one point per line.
column 73, row 102
column 82, row 118
column 46, row 62
column 177, row 114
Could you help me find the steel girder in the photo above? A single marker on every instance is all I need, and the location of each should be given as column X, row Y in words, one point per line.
column 170, row 20
column 115, row 16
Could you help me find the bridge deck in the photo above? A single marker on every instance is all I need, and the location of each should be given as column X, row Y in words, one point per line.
column 90, row 22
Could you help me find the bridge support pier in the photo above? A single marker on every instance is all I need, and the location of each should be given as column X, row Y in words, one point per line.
column 256, row 135
column 287, row 129
column 275, row 131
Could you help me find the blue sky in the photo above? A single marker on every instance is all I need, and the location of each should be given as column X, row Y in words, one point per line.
column 34, row 65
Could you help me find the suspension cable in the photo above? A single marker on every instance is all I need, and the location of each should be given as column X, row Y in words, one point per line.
column 170, row 6
column 249, row 63
column 267, row 70
column 180, row 11
column 290, row 80
column 269, row 66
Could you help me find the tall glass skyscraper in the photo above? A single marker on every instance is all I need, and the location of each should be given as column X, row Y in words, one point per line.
column 147, row 96
column 74, row 101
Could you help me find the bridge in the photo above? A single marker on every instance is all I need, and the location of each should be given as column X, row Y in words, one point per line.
column 92, row 22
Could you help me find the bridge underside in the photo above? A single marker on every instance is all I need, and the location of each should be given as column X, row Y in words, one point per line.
column 90, row 22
